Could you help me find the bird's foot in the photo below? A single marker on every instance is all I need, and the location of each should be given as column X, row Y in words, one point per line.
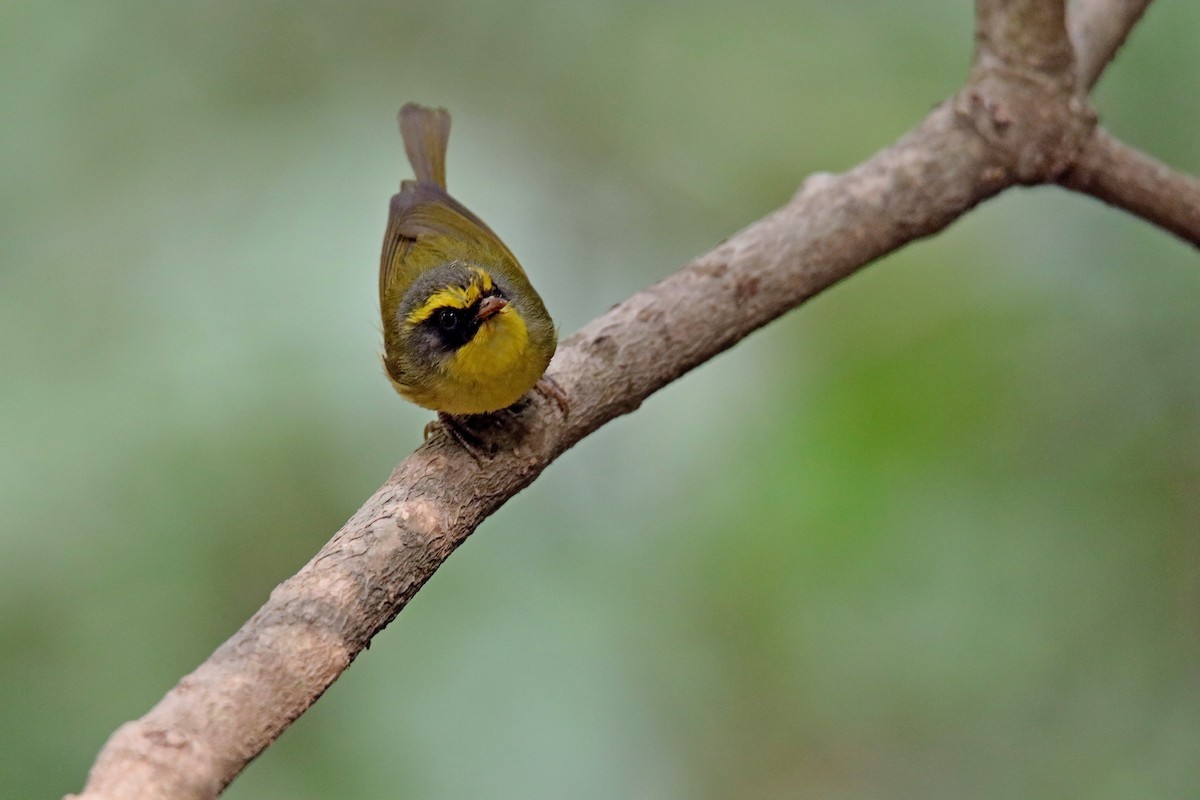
column 459, row 430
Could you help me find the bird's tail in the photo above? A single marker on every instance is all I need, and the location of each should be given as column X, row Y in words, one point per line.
column 426, row 131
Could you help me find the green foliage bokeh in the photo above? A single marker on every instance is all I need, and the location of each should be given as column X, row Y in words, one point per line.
column 934, row 535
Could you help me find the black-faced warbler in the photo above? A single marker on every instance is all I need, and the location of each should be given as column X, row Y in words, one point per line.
column 464, row 332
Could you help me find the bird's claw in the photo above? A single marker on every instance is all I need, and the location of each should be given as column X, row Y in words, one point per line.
column 458, row 430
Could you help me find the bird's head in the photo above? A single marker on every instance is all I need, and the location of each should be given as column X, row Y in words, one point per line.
column 460, row 321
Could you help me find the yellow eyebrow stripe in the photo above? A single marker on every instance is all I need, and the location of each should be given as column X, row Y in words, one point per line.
column 453, row 297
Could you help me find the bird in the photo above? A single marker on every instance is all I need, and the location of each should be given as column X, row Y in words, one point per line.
column 464, row 331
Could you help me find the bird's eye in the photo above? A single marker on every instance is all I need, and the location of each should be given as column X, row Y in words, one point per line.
column 448, row 319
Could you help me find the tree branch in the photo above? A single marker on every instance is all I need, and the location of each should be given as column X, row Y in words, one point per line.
column 1126, row 178
column 1016, row 121
column 1028, row 34
column 1098, row 28
column 220, row 716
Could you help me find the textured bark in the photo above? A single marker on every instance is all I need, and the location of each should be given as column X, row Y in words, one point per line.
column 1121, row 176
column 1019, row 120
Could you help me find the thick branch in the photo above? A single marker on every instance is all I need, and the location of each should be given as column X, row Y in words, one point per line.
column 1128, row 179
column 1022, row 35
column 1098, row 28
column 1013, row 122
column 208, row 727
column 1022, row 87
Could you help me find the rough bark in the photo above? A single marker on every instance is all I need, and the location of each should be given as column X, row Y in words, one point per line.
column 1128, row 179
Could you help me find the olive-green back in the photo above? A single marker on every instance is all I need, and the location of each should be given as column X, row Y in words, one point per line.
column 426, row 226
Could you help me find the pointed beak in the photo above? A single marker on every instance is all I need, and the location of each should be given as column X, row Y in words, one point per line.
column 490, row 307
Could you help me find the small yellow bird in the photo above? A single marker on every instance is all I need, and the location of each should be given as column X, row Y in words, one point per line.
column 464, row 331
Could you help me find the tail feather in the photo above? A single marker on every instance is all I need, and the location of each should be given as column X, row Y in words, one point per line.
column 426, row 132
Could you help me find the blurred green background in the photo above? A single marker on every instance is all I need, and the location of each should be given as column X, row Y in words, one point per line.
column 935, row 535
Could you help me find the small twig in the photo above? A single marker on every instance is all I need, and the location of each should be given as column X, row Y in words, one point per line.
column 1098, row 28
column 1129, row 179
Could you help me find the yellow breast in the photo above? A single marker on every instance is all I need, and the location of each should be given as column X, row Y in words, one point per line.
column 491, row 371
